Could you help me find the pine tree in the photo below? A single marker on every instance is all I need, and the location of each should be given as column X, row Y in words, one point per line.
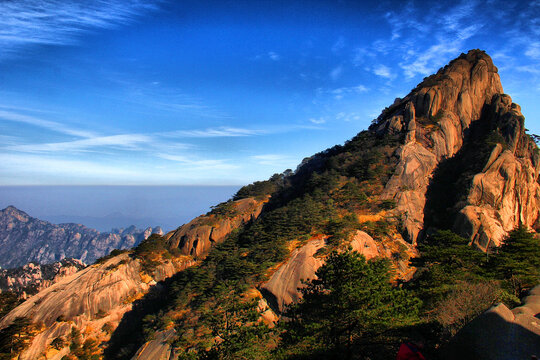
column 349, row 306
column 518, row 260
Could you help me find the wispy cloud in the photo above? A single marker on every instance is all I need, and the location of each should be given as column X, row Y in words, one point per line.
column 317, row 121
column 45, row 166
column 200, row 164
column 383, row 71
column 352, row 116
column 46, row 124
column 126, row 141
column 214, row 132
column 338, row 45
column 276, row 160
column 341, row 92
column 423, row 38
column 60, row 22
column 533, row 51
column 336, row 72
column 274, row 56
column 270, row 55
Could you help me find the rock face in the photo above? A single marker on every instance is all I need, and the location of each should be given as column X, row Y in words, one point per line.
column 25, row 239
column 157, row 348
column 197, row 237
column 32, row 278
column 102, row 293
column 283, row 286
column 98, row 295
column 434, row 121
column 500, row 333
column 506, row 193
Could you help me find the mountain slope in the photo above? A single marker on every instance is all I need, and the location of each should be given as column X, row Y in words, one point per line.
column 95, row 299
column 453, row 154
column 25, row 239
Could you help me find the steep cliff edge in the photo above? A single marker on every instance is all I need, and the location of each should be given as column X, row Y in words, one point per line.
column 433, row 120
column 95, row 299
column 197, row 237
column 452, row 154
column 506, row 192
column 442, row 122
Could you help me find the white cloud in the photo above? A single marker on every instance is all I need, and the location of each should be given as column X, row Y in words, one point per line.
column 533, row 51
column 336, row 72
column 317, row 121
column 46, row 124
column 276, row 160
column 199, row 164
column 274, row 56
column 214, row 132
column 125, row 141
column 383, row 71
column 60, row 22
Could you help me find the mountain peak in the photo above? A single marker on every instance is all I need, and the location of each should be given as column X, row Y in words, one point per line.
column 13, row 212
column 461, row 88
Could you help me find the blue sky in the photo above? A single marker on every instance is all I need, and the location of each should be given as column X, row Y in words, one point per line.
column 226, row 92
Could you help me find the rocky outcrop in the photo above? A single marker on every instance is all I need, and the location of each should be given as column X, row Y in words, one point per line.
column 32, row 278
column 283, row 287
column 434, row 122
column 96, row 298
column 506, row 193
column 500, row 333
column 89, row 299
column 25, row 239
column 157, row 348
column 198, row 236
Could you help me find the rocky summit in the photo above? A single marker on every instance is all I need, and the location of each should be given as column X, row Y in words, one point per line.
column 433, row 195
column 24, row 239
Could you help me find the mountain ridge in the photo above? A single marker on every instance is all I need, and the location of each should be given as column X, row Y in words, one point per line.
column 374, row 194
column 42, row 242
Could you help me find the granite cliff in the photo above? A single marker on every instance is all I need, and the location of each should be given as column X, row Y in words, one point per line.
column 25, row 239
column 95, row 299
column 452, row 154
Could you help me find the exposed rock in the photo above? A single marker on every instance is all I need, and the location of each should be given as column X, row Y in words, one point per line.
column 88, row 299
column 457, row 95
column 283, row 286
column 102, row 293
column 198, row 236
column 157, row 348
column 506, row 193
column 436, row 117
column 500, row 333
column 32, row 278
column 25, row 239
column 365, row 245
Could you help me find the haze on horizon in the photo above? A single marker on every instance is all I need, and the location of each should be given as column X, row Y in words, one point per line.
column 145, row 92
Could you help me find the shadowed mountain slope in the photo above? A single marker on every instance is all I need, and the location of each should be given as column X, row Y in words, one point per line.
column 452, row 154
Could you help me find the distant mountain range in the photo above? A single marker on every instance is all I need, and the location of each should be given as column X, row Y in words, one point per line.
column 25, row 239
